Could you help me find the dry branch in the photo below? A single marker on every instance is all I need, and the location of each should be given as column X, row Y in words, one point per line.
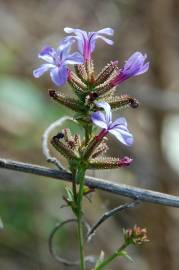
column 144, row 195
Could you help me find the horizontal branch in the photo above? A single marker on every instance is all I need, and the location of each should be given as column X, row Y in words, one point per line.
column 144, row 195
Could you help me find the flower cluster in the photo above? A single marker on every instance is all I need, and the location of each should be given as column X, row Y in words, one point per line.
column 95, row 95
column 95, row 99
column 59, row 59
column 136, row 235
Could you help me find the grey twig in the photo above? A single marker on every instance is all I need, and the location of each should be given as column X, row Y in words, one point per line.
column 144, row 195
column 109, row 214
column 51, row 248
column 88, row 259
column 45, row 138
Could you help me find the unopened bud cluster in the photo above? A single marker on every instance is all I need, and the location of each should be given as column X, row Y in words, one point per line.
column 136, row 235
column 89, row 88
column 73, row 148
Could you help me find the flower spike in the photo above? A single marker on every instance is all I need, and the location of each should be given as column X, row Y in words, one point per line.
column 109, row 163
column 87, row 40
column 134, row 66
column 57, row 62
column 118, row 128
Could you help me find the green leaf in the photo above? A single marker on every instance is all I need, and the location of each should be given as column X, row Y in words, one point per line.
column 124, row 254
column 100, row 259
column 86, row 189
column 69, row 194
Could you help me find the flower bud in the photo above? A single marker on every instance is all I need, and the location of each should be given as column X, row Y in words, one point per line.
column 62, row 148
column 81, row 72
column 103, row 88
column 100, row 150
column 94, row 143
column 66, row 101
column 136, row 235
column 76, row 83
column 106, row 72
column 109, row 163
column 90, row 70
column 118, row 102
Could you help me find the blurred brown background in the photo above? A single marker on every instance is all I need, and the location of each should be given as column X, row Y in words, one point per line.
column 29, row 205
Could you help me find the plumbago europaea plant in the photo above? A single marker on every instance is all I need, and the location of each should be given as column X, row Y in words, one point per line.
column 95, row 99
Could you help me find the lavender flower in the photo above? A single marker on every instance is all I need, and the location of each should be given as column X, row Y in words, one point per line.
column 87, row 40
column 134, row 66
column 118, row 128
column 57, row 62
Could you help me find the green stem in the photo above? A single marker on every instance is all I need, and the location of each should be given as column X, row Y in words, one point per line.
column 88, row 131
column 74, row 186
column 81, row 243
column 111, row 257
column 80, row 178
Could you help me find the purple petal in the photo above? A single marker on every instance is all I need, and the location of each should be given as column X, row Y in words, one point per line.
column 93, row 37
column 91, row 42
column 98, row 119
column 47, row 54
column 121, row 121
column 134, row 59
column 42, row 69
column 68, row 39
column 124, row 137
column 82, row 41
column 144, row 69
column 108, row 41
column 76, row 31
column 135, row 65
column 69, row 30
column 80, row 44
column 87, row 40
column 106, row 31
column 59, row 75
column 74, row 58
column 64, row 49
column 80, row 36
column 98, row 34
column 107, row 108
